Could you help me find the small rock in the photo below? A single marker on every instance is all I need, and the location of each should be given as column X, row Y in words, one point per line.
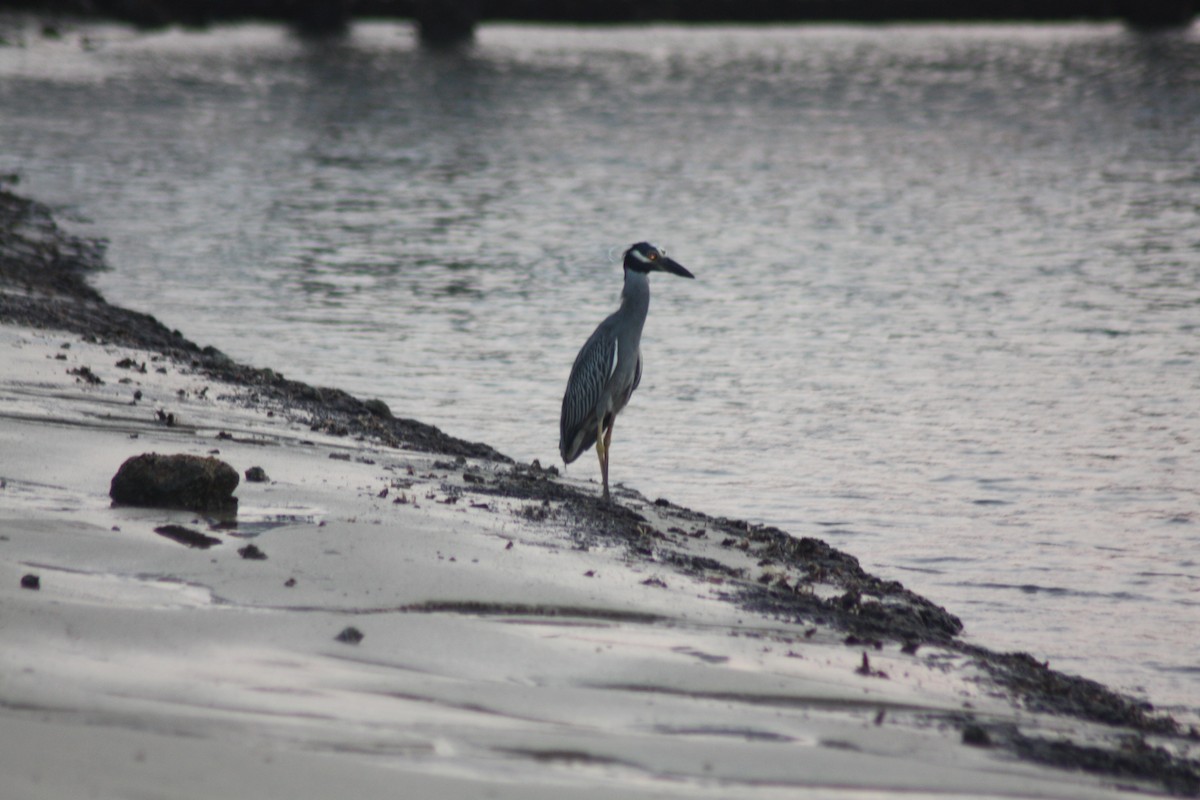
column 378, row 408
column 31, row 582
column 256, row 475
column 252, row 552
column 350, row 635
column 190, row 482
column 976, row 736
column 290, row 582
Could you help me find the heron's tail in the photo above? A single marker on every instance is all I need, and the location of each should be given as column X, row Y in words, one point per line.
column 571, row 447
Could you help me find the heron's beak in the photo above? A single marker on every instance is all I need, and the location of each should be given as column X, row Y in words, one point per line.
column 674, row 267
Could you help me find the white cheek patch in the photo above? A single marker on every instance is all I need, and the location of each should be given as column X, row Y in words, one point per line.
column 640, row 257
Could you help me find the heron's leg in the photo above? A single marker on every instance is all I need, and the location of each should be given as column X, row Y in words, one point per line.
column 602, row 454
column 607, row 453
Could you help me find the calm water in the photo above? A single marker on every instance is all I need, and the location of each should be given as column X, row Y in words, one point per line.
column 947, row 313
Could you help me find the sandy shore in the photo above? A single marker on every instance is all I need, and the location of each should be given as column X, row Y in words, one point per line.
column 519, row 638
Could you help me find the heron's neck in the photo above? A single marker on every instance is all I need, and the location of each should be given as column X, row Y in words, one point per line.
column 635, row 297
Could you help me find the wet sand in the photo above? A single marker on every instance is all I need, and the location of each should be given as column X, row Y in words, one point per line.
column 422, row 613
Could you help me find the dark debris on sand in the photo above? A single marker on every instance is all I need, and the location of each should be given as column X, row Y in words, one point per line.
column 187, row 536
column 43, row 284
column 870, row 607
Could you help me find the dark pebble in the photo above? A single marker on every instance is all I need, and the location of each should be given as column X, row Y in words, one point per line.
column 256, row 475
column 31, row 582
column 350, row 635
column 252, row 552
column 976, row 736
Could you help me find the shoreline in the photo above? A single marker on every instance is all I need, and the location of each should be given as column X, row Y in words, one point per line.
column 454, row 22
column 785, row 586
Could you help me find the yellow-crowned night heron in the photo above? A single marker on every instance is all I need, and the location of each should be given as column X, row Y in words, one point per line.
column 609, row 367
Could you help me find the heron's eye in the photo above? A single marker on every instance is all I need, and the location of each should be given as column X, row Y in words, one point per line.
column 653, row 256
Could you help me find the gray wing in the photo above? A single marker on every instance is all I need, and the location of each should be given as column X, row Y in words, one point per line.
column 593, row 367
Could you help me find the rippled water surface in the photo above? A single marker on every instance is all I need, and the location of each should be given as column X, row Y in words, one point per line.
column 947, row 307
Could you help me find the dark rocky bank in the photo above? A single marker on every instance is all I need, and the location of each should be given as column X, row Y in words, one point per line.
column 43, row 284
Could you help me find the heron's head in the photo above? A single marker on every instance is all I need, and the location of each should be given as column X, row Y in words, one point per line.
column 645, row 257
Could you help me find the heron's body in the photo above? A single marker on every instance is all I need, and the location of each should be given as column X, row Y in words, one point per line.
column 609, row 366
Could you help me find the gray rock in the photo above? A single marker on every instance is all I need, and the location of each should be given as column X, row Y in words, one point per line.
column 189, row 482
